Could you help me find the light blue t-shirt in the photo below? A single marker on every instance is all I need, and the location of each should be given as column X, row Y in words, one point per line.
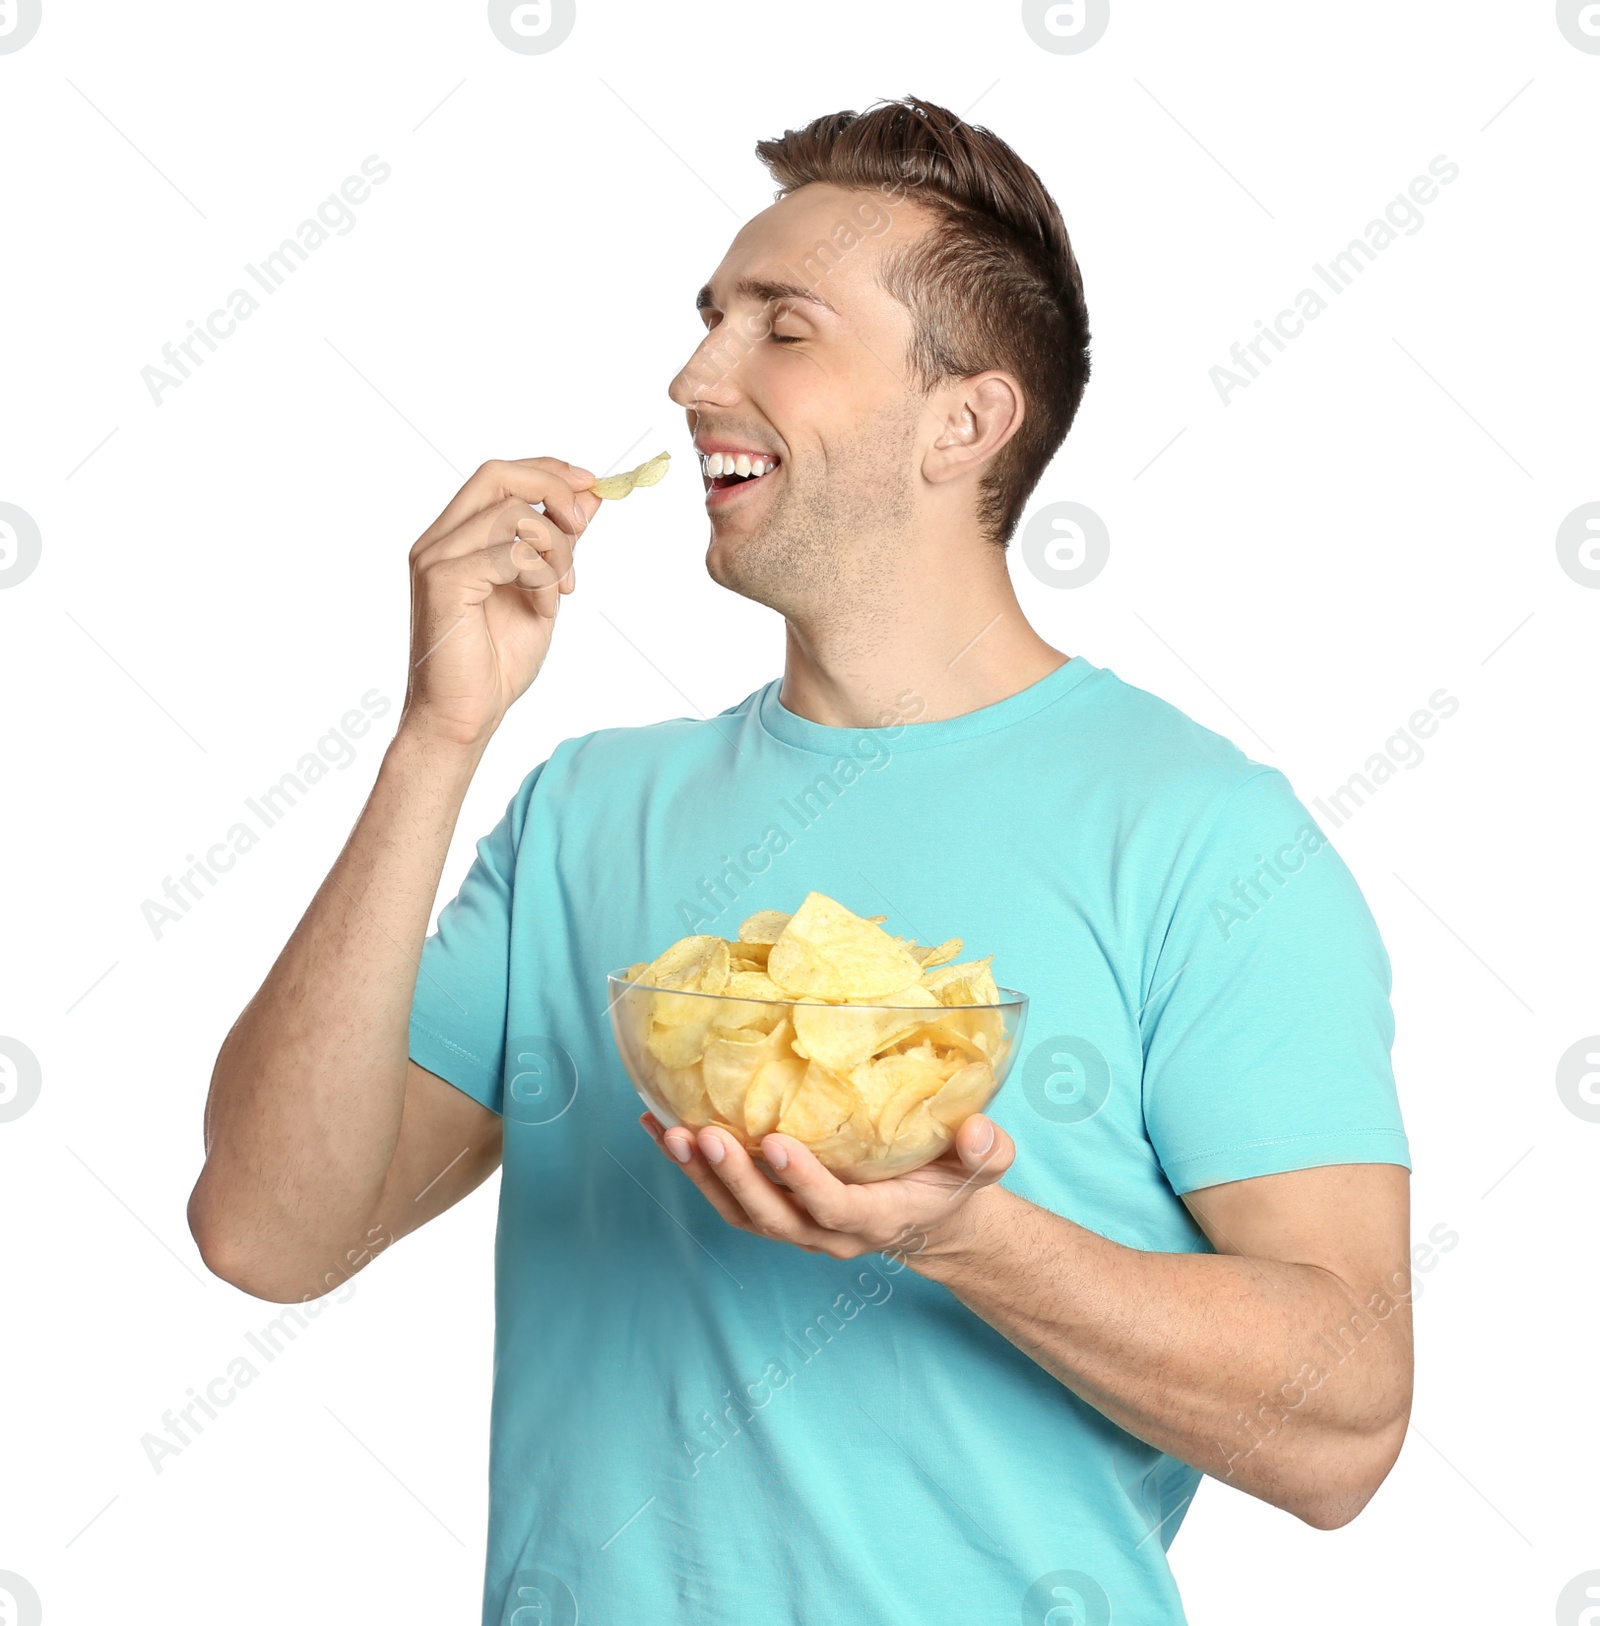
column 695, row 1425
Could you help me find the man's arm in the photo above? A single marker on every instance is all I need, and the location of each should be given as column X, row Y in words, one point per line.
column 324, row 1142
column 1280, row 1364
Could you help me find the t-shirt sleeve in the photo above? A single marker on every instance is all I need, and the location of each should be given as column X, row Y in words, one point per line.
column 458, row 1013
column 1267, row 1025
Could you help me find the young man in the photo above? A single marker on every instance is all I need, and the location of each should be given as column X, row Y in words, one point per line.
column 1178, row 1243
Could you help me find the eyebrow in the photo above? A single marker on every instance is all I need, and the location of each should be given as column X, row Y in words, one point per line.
column 763, row 291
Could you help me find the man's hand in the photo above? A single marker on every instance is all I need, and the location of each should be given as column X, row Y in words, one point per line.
column 821, row 1214
column 486, row 580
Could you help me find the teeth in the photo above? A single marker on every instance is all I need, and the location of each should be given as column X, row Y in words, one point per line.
column 716, row 464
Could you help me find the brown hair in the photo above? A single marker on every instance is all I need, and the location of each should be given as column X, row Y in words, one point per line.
column 996, row 286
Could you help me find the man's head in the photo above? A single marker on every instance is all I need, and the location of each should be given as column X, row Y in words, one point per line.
column 903, row 334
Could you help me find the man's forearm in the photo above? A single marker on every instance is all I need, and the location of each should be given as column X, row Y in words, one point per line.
column 1277, row 1378
column 307, row 1095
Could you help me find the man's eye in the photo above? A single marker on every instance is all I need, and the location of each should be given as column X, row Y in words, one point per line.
column 784, row 338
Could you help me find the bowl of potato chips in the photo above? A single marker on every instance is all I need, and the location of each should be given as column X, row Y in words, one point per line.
column 868, row 1048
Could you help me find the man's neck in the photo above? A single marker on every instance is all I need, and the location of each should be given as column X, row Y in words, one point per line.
column 936, row 654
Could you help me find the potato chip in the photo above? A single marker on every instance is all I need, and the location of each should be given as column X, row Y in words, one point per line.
column 764, row 926
column 844, row 1036
column 850, row 1145
column 830, row 953
column 684, row 1092
column 696, row 963
column 919, row 1135
column 930, row 957
column 776, row 1084
column 950, row 1033
column 962, row 1094
column 821, row 1104
column 752, row 985
column 968, row 984
column 732, row 1060
column 904, row 1081
column 682, row 1043
column 615, row 486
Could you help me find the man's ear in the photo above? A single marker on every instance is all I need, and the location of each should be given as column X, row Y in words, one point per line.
column 978, row 416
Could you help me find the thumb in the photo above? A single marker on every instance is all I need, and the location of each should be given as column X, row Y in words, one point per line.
column 985, row 1149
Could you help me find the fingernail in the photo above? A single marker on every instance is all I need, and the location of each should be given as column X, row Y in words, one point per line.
column 777, row 1157
column 712, row 1146
column 988, row 1140
column 678, row 1145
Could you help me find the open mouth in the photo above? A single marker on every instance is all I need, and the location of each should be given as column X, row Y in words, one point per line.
column 732, row 471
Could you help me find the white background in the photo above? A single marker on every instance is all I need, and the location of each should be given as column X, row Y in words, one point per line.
column 1370, row 521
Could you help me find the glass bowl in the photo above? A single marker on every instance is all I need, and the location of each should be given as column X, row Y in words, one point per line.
column 873, row 1090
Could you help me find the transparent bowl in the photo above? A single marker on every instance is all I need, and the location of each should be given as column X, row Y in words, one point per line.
column 873, row 1090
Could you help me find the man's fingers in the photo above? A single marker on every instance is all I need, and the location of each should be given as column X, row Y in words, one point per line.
column 830, row 1202
column 547, row 480
column 771, row 1211
column 515, row 547
column 696, row 1168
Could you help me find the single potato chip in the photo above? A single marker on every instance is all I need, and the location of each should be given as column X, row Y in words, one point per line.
column 682, row 1044
column 844, row 1036
column 696, row 964
column 850, row 1145
column 969, row 984
column 753, row 985
column 962, row 1094
column 821, row 1104
column 829, row 952
column 764, row 926
column 615, row 486
column 930, row 957
column 776, row 1084
column 684, row 1092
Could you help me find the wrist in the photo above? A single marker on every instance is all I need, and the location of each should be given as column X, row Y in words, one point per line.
column 418, row 749
column 960, row 1243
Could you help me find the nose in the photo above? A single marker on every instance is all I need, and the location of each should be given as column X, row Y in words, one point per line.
column 708, row 377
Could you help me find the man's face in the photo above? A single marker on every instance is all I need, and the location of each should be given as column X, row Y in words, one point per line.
column 802, row 368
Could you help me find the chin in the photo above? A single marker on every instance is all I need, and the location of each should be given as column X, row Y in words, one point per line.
column 751, row 567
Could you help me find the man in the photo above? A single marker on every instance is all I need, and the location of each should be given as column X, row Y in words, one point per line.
column 1176, row 1245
